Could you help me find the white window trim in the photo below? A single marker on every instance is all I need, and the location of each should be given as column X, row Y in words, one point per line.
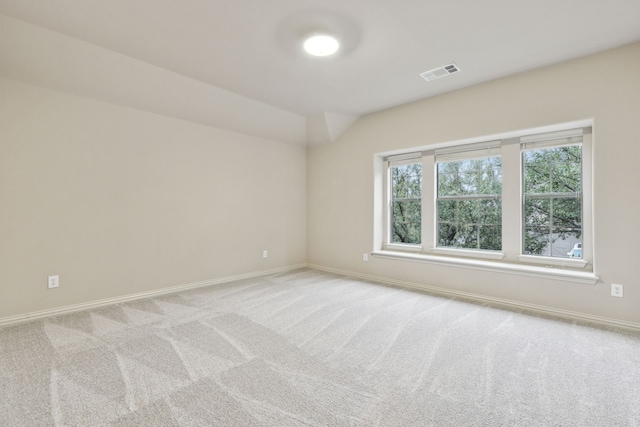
column 469, row 253
column 510, row 260
column 586, row 278
column 557, row 139
column 392, row 161
column 457, row 153
column 556, row 262
column 468, row 151
column 403, row 247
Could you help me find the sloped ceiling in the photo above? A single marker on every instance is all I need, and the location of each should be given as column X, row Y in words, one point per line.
column 239, row 64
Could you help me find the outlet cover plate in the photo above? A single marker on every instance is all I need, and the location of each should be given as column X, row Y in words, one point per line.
column 53, row 282
column 617, row 290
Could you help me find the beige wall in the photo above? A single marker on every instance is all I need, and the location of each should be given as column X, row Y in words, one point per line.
column 605, row 87
column 118, row 201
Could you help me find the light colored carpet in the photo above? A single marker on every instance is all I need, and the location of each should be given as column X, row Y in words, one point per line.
column 308, row 348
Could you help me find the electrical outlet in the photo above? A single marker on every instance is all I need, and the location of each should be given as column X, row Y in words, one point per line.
column 265, row 254
column 53, row 282
column 365, row 257
column 616, row 290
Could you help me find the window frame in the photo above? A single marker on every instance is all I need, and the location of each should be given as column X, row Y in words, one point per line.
column 390, row 162
column 465, row 153
column 551, row 140
column 511, row 258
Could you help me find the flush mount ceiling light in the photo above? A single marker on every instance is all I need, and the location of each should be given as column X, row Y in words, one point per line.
column 321, row 45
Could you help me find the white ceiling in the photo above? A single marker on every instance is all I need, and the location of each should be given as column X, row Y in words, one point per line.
column 239, row 64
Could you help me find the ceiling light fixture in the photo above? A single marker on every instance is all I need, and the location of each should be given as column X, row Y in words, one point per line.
column 321, row 45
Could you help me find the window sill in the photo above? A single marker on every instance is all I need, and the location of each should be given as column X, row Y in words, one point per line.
column 586, row 278
column 556, row 262
column 468, row 253
column 403, row 247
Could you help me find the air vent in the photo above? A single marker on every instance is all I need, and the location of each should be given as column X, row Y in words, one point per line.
column 436, row 73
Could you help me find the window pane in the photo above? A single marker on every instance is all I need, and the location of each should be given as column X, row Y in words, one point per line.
column 490, row 212
column 537, row 171
column 567, row 244
column 449, row 183
column 537, row 211
column 467, row 211
column 467, row 237
column 553, row 202
column 469, row 204
column 567, row 227
column 567, row 213
column 467, row 177
column 406, row 220
column 554, row 228
column 406, row 181
column 458, row 236
column 470, row 224
column 537, row 241
column 566, row 169
column 491, row 237
column 447, row 234
column 406, row 214
column 447, row 211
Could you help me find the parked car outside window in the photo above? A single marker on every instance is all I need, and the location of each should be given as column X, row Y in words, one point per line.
column 576, row 251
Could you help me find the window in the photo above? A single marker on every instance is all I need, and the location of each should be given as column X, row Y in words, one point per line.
column 552, row 195
column 406, row 201
column 469, row 208
column 521, row 199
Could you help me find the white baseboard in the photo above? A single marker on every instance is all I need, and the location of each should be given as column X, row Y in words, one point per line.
column 157, row 292
column 555, row 312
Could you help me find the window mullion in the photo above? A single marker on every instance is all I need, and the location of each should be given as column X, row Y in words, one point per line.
column 428, row 202
column 512, row 201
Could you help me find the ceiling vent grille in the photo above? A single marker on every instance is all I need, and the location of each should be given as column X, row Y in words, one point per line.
column 436, row 73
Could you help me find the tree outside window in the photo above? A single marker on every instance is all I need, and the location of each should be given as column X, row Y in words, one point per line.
column 406, row 203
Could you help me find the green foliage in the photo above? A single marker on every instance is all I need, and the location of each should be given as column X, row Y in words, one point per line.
column 553, row 198
column 469, row 206
column 406, row 196
column 470, row 177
